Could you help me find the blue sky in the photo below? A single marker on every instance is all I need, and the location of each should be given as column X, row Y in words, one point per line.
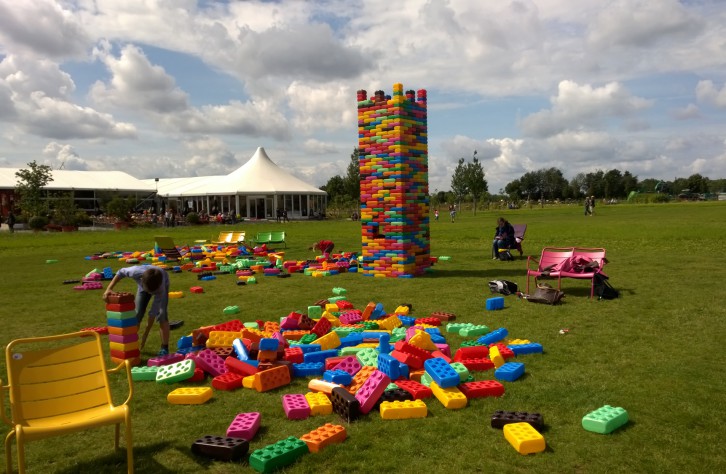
column 191, row 88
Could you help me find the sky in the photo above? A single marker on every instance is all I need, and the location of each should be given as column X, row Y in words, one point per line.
column 174, row 88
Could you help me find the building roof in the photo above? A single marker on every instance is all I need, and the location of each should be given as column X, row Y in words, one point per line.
column 83, row 180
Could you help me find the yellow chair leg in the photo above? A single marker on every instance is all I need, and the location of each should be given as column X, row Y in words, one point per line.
column 8, row 452
column 129, row 448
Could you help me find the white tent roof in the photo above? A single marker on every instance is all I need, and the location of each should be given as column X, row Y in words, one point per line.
column 83, row 180
column 260, row 175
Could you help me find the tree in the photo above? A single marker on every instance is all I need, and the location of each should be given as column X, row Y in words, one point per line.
column 336, row 186
column 475, row 177
column 613, row 184
column 697, row 183
column 352, row 178
column 29, row 189
column 459, row 182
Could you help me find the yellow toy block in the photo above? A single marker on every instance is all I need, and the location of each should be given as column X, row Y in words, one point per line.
column 221, row 338
column 519, row 341
column 332, row 308
column 496, row 357
column 422, row 340
column 390, row 323
column 450, row 397
column 249, row 381
column 123, row 346
column 334, row 321
column 176, row 294
column 319, row 403
column 399, row 410
column 329, row 341
column 402, row 310
column 367, row 345
column 524, row 438
column 189, row 395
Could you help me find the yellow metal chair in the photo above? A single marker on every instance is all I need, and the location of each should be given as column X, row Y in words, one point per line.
column 59, row 385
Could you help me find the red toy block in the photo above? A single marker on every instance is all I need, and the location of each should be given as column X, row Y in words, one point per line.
column 322, row 327
column 473, row 352
column 100, row 330
column 198, row 376
column 431, row 321
column 344, row 305
column 223, row 352
column 125, row 354
column 443, row 316
column 233, row 325
column 120, row 297
column 331, row 362
column 418, row 390
column 482, row 388
column 121, row 307
column 441, row 355
column 196, row 289
column 294, row 355
column 478, row 365
column 228, row 381
column 240, row 367
column 409, row 359
column 504, row 351
column 404, row 346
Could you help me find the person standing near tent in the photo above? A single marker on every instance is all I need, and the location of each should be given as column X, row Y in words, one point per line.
column 151, row 282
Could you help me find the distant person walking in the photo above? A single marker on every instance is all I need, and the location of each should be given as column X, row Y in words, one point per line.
column 592, row 205
column 452, row 212
column 436, row 215
column 587, row 206
column 11, row 221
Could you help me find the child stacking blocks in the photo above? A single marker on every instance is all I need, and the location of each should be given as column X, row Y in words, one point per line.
column 524, row 438
column 123, row 328
column 605, row 419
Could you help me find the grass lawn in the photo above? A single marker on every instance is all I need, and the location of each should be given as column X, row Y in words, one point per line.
column 657, row 351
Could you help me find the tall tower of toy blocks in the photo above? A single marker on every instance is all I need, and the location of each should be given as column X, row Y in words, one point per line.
column 394, row 183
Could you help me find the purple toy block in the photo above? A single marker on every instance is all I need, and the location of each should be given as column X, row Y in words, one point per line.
column 350, row 364
column 371, row 390
column 123, row 339
column 444, row 349
column 165, row 360
column 289, row 322
column 210, row 362
column 245, row 425
column 296, row 406
column 282, row 342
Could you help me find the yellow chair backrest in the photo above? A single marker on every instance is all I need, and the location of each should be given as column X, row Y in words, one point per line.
column 57, row 385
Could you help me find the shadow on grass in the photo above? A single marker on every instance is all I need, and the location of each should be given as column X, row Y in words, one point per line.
column 115, row 461
column 492, row 273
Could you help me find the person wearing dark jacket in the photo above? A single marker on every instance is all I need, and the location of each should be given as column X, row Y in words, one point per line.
column 503, row 237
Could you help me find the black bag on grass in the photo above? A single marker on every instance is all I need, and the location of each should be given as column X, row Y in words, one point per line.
column 503, row 286
column 603, row 289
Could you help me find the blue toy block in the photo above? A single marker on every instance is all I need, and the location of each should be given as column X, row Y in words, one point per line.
column 531, row 348
column 121, row 323
column 340, row 377
column 208, row 278
column 307, row 369
column 269, row 344
column 378, row 312
column 442, row 373
column 392, row 367
column 241, row 350
column 494, row 336
column 306, row 348
column 376, row 335
column 107, row 273
column 495, row 303
column 187, row 350
column 407, row 320
column 510, row 371
column 352, row 339
column 319, row 356
column 184, row 342
column 384, row 346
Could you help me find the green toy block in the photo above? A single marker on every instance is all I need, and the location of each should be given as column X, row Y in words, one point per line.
column 176, row 372
column 251, row 325
column 339, row 291
column 335, row 299
column 426, row 380
column 143, row 373
column 605, row 419
column 342, row 332
column 370, row 325
column 444, row 258
column 457, row 327
column 348, row 351
column 251, row 280
column 278, row 455
column 308, row 338
column 231, row 310
column 461, row 370
column 315, row 312
column 471, row 343
column 474, row 330
column 368, row 356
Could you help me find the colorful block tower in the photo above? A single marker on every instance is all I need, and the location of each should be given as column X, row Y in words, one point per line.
column 123, row 328
column 393, row 163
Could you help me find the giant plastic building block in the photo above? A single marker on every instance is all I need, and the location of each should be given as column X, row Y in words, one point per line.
column 605, row 419
column 494, row 336
column 319, row 403
column 271, row 378
column 500, row 418
column 245, row 425
column 510, row 371
column 450, row 397
column 210, row 362
column 371, row 390
column 228, row 381
column 399, row 410
column 278, row 455
column 524, row 438
column 221, row 448
column 494, row 303
column 393, row 168
column 482, row 388
column 442, row 373
column 176, row 372
column 189, row 395
column 416, row 389
column 296, row 406
column 324, row 436
column 345, row 404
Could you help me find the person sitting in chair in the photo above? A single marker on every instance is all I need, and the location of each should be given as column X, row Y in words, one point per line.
column 503, row 237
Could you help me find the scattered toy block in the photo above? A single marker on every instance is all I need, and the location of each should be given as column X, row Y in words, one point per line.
column 416, row 389
column 495, row 303
column 324, row 436
column 400, row 410
column 340, row 377
column 176, row 372
column 605, row 419
column 221, row 448
column 245, row 425
column 524, row 438
column 139, row 374
column 228, row 381
column 189, row 395
column 271, row 378
column 319, row 403
column 210, row 362
column 450, row 397
column 510, row 371
column 371, row 390
column 442, row 373
column 528, row 348
column 345, row 404
column 494, row 336
column 296, row 406
column 482, row 388
column 500, row 418
column 496, row 357
column 278, row 455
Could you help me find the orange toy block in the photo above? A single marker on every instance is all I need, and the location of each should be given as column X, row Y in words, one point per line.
column 370, row 307
column 295, row 335
column 321, row 437
column 360, row 378
column 116, row 331
column 271, row 378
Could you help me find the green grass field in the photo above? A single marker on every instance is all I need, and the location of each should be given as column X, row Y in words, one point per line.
column 657, row 351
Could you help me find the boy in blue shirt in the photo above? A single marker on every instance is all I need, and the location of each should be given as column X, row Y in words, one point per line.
column 150, row 281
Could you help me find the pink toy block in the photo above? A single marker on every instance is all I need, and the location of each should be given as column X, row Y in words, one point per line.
column 351, row 317
column 442, row 355
column 371, row 390
column 123, row 339
column 165, row 360
column 444, row 349
column 296, row 406
column 245, row 425
column 282, row 342
column 350, row 364
column 210, row 362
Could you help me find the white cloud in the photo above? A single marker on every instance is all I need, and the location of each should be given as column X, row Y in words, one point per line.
column 64, row 157
column 688, row 112
column 322, row 108
column 577, row 106
column 41, row 28
column 318, row 147
column 710, row 94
